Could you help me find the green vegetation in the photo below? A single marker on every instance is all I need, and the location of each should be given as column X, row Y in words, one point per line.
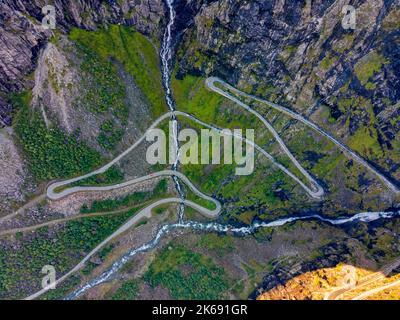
column 102, row 254
column 365, row 141
column 104, row 91
column 370, row 86
column 255, row 273
column 193, row 97
column 214, row 242
column 51, row 153
column 290, row 49
column 287, row 52
column 326, row 114
column 62, row 289
column 142, row 222
column 61, row 248
column 128, row 291
column 244, row 191
column 196, row 54
column 109, row 135
column 344, row 44
column 328, row 61
column 135, row 52
column 190, row 195
column 368, row 66
column 187, row 275
column 392, row 21
column 268, row 90
column 88, row 268
column 161, row 209
column 86, row 233
column 111, row 176
column 268, row 187
column 264, row 234
column 133, row 199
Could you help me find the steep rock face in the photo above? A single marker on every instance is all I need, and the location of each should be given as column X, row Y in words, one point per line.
column 293, row 52
column 22, row 35
column 53, row 76
column 21, row 41
column 14, row 179
column 5, row 113
column 297, row 53
column 284, row 42
column 61, row 89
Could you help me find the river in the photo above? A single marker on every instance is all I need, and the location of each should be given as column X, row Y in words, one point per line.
column 166, row 55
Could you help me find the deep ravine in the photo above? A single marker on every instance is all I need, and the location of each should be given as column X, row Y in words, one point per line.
column 220, row 228
column 166, row 55
column 166, row 69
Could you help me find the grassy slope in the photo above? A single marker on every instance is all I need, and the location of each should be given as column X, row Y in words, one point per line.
column 137, row 54
column 50, row 152
column 64, row 246
column 61, row 248
column 333, row 168
column 187, row 275
column 193, row 97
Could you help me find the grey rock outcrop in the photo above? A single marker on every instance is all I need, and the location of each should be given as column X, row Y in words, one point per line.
column 22, row 35
column 298, row 53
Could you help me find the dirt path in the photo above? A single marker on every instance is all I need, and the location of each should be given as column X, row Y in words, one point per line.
column 316, row 191
column 29, row 204
column 57, row 221
column 371, row 292
column 144, row 213
column 51, row 194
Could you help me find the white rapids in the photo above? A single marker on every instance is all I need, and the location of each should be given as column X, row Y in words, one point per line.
column 166, row 61
column 166, row 66
column 216, row 227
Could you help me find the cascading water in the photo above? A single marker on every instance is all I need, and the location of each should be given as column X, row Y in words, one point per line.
column 216, row 227
column 166, row 55
column 166, row 59
column 166, row 66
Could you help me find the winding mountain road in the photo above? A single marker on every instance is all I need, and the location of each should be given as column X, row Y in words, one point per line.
column 144, row 213
column 374, row 277
column 316, row 191
column 371, row 292
column 51, row 194
column 210, row 82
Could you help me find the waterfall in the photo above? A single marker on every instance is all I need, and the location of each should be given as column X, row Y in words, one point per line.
column 166, row 69
column 166, row 61
column 166, row 55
